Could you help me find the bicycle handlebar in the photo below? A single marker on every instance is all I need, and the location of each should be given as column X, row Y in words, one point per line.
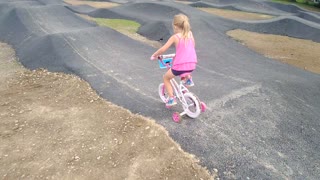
column 166, row 56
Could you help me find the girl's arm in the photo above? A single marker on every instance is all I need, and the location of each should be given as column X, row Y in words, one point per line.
column 165, row 47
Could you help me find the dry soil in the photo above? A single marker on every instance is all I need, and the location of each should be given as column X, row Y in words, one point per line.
column 237, row 15
column 96, row 4
column 300, row 53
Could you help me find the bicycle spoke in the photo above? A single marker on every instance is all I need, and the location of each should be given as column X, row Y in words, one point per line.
column 190, row 105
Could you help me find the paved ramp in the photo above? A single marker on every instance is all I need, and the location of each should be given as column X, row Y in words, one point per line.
column 263, row 116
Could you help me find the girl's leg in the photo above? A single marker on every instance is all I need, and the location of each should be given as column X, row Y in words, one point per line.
column 166, row 80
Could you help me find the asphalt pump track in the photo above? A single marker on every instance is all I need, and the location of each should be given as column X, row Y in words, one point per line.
column 262, row 120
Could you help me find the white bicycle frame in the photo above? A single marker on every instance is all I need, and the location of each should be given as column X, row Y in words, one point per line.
column 185, row 97
column 179, row 90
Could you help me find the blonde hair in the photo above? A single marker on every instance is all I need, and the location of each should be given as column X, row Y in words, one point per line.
column 182, row 22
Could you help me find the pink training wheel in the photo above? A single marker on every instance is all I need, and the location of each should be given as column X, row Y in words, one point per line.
column 176, row 117
column 203, row 106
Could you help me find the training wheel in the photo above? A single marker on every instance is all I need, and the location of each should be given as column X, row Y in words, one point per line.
column 176, row 117
column 203, row 106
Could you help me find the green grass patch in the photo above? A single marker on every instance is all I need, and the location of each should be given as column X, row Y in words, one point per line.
column 301, row 3
column 122, row 25
column 282, row 1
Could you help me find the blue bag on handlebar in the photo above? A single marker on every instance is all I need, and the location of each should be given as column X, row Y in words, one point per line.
column 167, row 61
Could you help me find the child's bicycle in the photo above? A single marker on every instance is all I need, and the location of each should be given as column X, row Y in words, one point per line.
column 191, row 104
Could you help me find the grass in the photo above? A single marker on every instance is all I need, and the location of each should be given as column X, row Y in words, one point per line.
column 126, row 27
column 122, row 25
column 300, row 3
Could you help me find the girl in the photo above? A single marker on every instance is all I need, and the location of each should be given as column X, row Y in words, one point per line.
column 185, row 59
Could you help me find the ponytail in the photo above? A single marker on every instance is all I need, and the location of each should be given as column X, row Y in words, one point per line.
column 182, row 21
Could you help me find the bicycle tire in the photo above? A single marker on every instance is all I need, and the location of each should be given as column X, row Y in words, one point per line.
column 193, row 108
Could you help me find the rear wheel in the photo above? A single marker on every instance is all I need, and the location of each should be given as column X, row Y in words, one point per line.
column 192, row 106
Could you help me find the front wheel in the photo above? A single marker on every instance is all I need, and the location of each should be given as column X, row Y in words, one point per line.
column 191, row 105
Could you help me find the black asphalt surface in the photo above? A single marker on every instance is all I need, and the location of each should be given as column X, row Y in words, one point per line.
column 263, row 117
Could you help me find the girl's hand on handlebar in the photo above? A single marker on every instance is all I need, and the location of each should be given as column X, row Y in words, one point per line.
column 152, row 58
column 155, row 57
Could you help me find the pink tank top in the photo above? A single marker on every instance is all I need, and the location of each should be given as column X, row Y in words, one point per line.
column 186, row 57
